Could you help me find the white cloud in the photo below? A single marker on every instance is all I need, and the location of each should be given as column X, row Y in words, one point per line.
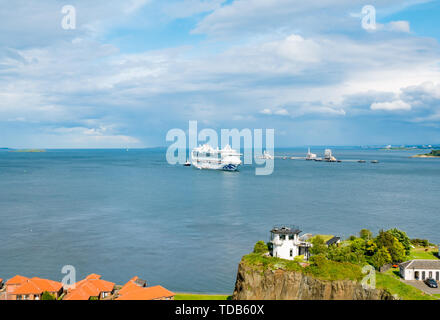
column 281, row 112
column 400, row 26
column 134, row 5
column 83, row 83
column 397, row 105
column 188, row 8
column 266, row 111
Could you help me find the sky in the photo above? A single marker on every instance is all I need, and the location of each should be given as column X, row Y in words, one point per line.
column 132, row 70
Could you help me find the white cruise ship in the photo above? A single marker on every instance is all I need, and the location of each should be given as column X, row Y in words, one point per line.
column 206, row 157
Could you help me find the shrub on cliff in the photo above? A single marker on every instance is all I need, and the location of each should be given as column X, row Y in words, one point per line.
column 318, row 246
column 402, row 238
column 387, row 240
column 380, row 258
column 366, row 234
column 261, row 247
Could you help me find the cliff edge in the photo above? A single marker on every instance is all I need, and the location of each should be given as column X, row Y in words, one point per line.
column 266, row 284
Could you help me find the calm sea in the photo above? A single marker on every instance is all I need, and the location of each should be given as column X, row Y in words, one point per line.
column 121, row 214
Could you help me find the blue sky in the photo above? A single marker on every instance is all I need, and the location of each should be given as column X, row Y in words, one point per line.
column 132, row 70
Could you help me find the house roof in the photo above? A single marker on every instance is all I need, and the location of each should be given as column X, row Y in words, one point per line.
column 148, row 293
column 421, row 264
column 93, row 276
column 286, row 229
column 91, row 286
column 132, row 284
column 16, row 280
column 38, row 286
column 333, row 240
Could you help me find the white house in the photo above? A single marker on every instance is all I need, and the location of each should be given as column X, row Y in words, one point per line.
column 286, row 243
column 420, row 269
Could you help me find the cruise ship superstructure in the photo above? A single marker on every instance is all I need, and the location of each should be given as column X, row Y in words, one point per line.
column 206, row 157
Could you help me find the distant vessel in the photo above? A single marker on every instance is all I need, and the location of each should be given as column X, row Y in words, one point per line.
column 187, row 163
column 310, row 156
column 206, row 157
column 328, row 156
column 267, row 155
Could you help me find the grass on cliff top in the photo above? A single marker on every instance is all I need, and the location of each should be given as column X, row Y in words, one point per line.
column 320, row 268
column 397, row 287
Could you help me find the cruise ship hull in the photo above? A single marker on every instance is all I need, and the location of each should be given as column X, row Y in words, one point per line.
column 220, row 166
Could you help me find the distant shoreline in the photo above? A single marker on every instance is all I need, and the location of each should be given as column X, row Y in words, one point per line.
column 424, row 156
column 432, row 154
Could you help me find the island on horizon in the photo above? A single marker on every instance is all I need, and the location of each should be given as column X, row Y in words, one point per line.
column 432, row 154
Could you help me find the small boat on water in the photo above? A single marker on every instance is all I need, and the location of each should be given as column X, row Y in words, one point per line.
column 362, row 161
column 187, row 164
column 374, row 161
column 266, row 155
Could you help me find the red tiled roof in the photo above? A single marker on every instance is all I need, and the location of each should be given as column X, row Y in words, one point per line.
column 91, row 286
column 17, row 280
column 38, row 286
column 93, row 276
column 148, row 293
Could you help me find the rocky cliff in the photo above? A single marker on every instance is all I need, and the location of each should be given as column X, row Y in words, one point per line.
column 259, row 284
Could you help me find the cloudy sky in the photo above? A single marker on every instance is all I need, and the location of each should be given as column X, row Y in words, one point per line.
column 132, row 70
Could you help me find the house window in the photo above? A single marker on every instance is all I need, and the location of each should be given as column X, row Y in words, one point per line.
column 291, row 252
column 430, row 274
column 290, row 236
column 437, row 276
column 283, row 237
column 423, row 275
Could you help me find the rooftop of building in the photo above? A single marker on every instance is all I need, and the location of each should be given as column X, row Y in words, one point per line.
column 33, row 285
column 145, row 293
column 421, row 264
column 286, row 229
column 91, row 286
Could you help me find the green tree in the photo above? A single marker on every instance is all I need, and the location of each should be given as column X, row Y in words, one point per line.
column 403, row 239
column 380, row 258
column 260, row 247
column 318, row 246
column 366, row 234
column 397, row 252
column 386, row 240
column 370, row 248
column 357, row 246
column 47, row 296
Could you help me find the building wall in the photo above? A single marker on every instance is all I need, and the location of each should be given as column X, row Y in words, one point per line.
column 409, row 274
column 282, row 250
